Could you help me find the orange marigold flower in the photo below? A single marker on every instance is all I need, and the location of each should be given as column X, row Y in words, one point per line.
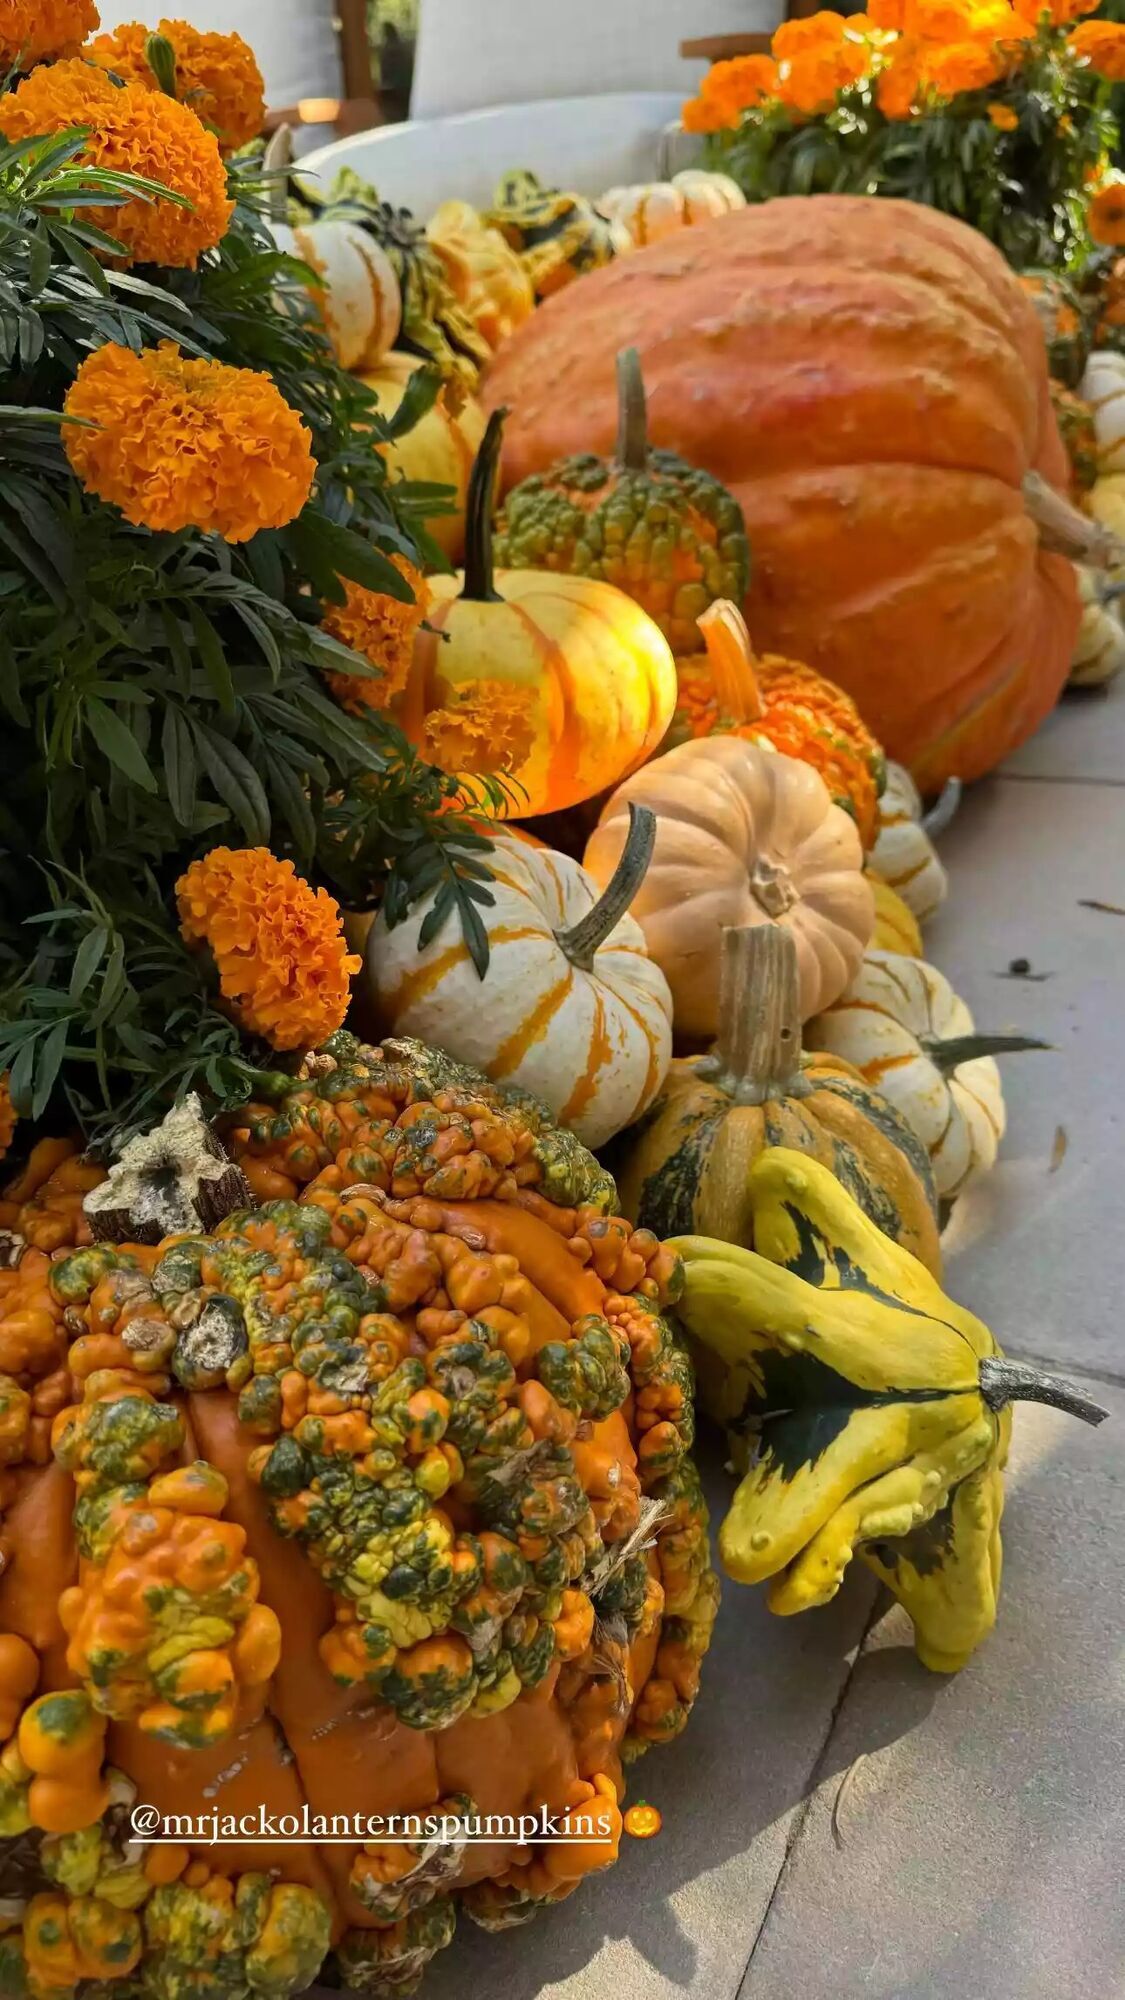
column 7, row 1114
column 899, row 82
column 1105, row 217
column 1003, row 117
column 278, row 945
column 815, row 33
column 187, row 444
column 35, row 31
column 697, row 114
column 961, row 66
column 487, row 726
column 133, row 131
column 1102, row 45
column 382, row 628
column 729, row 89
column 1058, row 12
column 216, row 75
column 887, row 14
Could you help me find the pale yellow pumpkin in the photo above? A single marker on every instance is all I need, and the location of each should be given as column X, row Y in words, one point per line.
column 1099, row 651
column 652, row 209
column 571, row 1007
column 901, row 1025
column 896, row 926
column 358, row 295
column 440, row 448
column 904, row 854
column 743, row 836
column 484, row 271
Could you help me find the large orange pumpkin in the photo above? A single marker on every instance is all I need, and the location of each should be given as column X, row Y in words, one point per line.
column 869, row 379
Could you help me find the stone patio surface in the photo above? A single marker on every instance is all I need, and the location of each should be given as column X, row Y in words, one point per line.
column 837, row 1821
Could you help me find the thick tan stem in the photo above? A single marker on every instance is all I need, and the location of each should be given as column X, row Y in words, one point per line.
column 731, row 661
column 758, row 1054
column 1065, row 531
column 632, row 413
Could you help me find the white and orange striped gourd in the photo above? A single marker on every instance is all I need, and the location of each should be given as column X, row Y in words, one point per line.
column 571, row 1007
column 904, row 1028
column 653, row 209
column 904, row 854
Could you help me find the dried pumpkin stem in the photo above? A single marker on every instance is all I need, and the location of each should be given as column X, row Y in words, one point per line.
column 948, row 1055
column 632, row 413
column 276, row 162
column 479, row 587
column 758, row 1054
column 731, row 662
column 1003, row 1382
column 587, row 936
column 1064, row 531
column 944, row 808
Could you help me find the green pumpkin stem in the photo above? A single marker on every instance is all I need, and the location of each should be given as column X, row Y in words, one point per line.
column 757, row 1058
column 585, row 938
column 479, row 586
column 632, row 413
column 949, row 1054
column 1003, row 1381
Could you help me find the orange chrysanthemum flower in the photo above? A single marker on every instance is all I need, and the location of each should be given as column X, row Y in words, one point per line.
column 7, row 1114
column 729, row 89
column 382, row 628
column 962, row 66
column 814, row 34
column 278, row 946
column 133, row 131
column 1102, row 45
column 217, row 76
column 187, row 444
column 1105, row 217
column 899, row 81
column 35, row 31
column 1003, row 117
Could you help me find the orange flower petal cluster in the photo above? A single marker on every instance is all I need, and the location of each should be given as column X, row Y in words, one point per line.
column 133, row 131
column 1058, row 11
column 217, row 76
column 817, row 58
column 962, row 66
column 35, row 31
column 1102, row 45
column 7, row 1114
column 729, row 89
column 1105, row 217
column 278, row 945
column 187, row 444
column 1003, row 117
column 382, row 628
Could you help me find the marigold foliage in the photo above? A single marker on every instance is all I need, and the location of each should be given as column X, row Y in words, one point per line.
column 179, row 443
column 132, row 131
column 278, row 946
column 35, row 31
column 7, row 1114
column 217, row 76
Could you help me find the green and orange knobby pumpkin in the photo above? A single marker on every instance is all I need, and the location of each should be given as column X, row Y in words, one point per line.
column 375, row 1496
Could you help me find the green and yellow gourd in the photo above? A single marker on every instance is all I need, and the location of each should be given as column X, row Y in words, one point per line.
column 882, row 1411
column 557, row 236
column 686, row 1166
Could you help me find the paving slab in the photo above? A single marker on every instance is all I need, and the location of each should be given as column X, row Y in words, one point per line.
column 1031, row 1245
column 681, row 1913
column 974, row 1845
column 1084, row 738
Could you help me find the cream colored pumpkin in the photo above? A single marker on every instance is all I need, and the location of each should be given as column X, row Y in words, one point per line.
column 743, row 836
column 896, row 926
column 571, row 1008
column 1099, row 651
column 1103, row 388
column 359, row 297
column 904, row 854
column 652, row 209
column 904, row 1028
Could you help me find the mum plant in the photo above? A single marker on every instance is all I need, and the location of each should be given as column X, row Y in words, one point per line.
column 996, row 113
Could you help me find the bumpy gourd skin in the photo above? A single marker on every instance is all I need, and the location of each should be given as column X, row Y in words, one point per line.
column 671, row 537
column 864, row 1382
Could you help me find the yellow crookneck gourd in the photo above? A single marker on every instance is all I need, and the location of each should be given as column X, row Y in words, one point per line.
column 881, row 1410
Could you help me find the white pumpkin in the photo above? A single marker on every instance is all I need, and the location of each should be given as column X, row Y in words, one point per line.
column 904, row 1028
column 571, row 1008
column 1099, row 651
column 359, row 296
column 1103, row 388
column 904, row 854
column 652, row 209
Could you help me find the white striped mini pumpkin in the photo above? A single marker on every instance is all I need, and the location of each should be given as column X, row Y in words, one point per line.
column 904, row 1028
column 571, row 1008
column 903, row 854
column 359, row 297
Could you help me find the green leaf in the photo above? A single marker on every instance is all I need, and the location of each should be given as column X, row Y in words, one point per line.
column 422, row 391
column 116, row 739
column 87, row 959
column 51, row 1055
column 236, row 782
column 210, row 649
column 179, row 765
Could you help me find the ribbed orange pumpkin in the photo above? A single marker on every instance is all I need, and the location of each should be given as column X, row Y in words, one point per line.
column 869, row 379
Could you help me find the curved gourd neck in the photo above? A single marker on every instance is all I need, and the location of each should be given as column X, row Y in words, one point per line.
column 581, row 943
column 631, row 454
column 479, row 586
column 757, row 1058
column 730, row 661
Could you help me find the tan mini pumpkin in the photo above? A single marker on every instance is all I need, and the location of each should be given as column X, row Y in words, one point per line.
column 901, row 1025
column 1099, row 652
column 571, row 1007
column 744, row 836
column 652, row 209
column 904, row 855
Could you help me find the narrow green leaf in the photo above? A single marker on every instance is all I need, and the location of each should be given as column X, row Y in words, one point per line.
column 210, row 649
column 50, row 1062
column 179, row 765
column 87, row 959
column 116, row 739
column 235, row 780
